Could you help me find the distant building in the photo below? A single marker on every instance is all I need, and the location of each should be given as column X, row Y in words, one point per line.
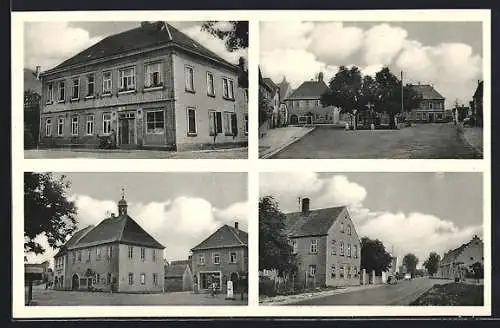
column 116, row 255
column 178, row 276
column 304, row 104
column 221, row 257
column 459, row 260
column 285, row 91
column 274, row 100
column 327, row 245
column 431, row 107
column 477, row 103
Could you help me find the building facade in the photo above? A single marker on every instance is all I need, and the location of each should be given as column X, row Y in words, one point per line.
column 304, row 104
column 153, row 86
column 178, row 276
column 431, row 106
column 221, row 257
column 116, row 255
column 477, row 104
column 456, row 262
column 327, row 245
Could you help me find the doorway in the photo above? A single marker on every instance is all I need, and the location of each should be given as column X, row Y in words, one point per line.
column 294, row 119
column 75, row 282
column 127, row 129
column 206, row 279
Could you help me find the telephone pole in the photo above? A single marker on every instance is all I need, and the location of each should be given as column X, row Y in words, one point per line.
column 402, row 105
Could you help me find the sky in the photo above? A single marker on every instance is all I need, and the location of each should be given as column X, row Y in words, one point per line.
column 41, row 48
column 408, row 212
column 178, row 209
column 447, row 55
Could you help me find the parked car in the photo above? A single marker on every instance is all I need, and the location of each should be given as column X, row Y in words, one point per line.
column 407, row 276
column 392, row 280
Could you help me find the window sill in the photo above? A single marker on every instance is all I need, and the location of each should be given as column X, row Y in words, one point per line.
column 192, row 134
column 89, row 97
column 229, row 134
column 156, row 88
column 211, row 95
column 75, row 99
column 126, row 92
column 60, row 101
column 49, row 103
column 189, row 91
column 155, row 133
column 228, row 99
column 106, row 95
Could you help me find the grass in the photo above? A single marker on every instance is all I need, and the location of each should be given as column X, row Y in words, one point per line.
column 452, row 294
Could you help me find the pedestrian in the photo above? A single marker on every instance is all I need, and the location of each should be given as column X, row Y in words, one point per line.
column 113, row 138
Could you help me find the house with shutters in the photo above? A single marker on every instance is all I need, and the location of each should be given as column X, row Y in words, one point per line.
column 116, row 255
column 431, row 106
column 178, row 276
column 456, row 262
column 327, row 245
column 221, row 257
column 304, row 104
column 152, row 86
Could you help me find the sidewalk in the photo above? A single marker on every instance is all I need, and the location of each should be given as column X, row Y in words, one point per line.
column 474, row 137
column 291, row 299
column 277, row 139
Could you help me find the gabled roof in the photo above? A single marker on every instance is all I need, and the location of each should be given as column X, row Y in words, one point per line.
column 225, row 236
column 479, row 90
column 285, row 89
column 272, row 86
column 176, row 269
column 427, row 92
column 315, row 223
column 309, row 90
column 453, row 254
column 74, row 239
column 145, row 36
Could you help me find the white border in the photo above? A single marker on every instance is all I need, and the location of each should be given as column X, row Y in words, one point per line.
column 253, row 165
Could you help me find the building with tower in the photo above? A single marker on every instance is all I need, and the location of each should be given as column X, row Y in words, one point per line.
column 116, row 255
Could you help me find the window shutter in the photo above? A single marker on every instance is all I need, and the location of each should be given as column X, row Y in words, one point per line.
column 211, row 126
column 219, row 122
column 234, row 124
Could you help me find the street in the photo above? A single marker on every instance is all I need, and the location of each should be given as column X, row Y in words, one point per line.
column 423, row 141
column 72, row 298
column 402, row 293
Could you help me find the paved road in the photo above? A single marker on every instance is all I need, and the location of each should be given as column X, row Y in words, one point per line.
column 402, row 293
column 53, row 297
column 424, row 141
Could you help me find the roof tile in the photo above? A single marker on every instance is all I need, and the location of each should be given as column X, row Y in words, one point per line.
column 316, row 223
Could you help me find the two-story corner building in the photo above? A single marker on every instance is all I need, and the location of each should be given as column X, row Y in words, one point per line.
column 304, row 104
column 431, row 107
column 221, row 257
column 456, row 261
column 116, row 255
column 327, row 245
column 154, row 86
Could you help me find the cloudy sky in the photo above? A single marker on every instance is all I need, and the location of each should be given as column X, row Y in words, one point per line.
column 410, row 212
column 43, row 48
column 445, row 54
column 178, row 209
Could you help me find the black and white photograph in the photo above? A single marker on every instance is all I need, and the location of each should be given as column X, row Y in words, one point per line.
column 133, row 239
column 149, row 89
column 365, row 238
column 371, row 89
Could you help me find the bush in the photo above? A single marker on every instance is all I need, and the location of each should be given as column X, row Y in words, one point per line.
column 29, row 140
column 266, row 287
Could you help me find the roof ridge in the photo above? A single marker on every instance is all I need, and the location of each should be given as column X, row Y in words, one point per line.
column 168, row 30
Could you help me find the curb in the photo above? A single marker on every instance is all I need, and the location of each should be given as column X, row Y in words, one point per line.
column 277, row 150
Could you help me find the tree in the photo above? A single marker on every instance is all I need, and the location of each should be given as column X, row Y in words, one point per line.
column 410, row 261
column 31, row 118
column 234, row 33
column 432, row 263
column 243, row 73
column 478, row 270
column 274, row 250
column 374, row 256
column 47, row 211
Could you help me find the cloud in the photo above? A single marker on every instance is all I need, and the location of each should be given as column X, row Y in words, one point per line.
column 415, row 232
column 48, row 44
column 382, row 42
column 285, row 35
column 179, row 224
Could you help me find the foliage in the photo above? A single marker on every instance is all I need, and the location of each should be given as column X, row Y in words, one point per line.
column 274, row 250
column 266, row 287
column 478, row 270
column 47, row 211
column 432, row 262
column 243, row 73
column 265, row 108
column 374, row 256
column 410, row 261
column 234, row 33
column 31, row 118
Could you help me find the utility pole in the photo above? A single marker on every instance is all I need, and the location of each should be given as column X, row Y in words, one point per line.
column 402, row 87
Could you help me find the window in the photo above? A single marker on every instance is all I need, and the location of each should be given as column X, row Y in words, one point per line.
column 106, row 123
column 293, row 243
column 232, row 257
column 60, row 126
column 210, row 84
column 110, row 251
column 90, row 125
column 98, row 253
column 130, row 252
column 227, row 88
column 98, row 278
column 314, row 246
column 349, row 229
column 191, row 116
column 107, row 82
column 79, row 256
column 189, row 78
column 48, row 127
column 471, row 258
column 342, row 227
column 143, row 278
column 153, row 251
column 61, row 91
column 334, row 247
column 216, row 258
column 341, row 271
column 130, row 278
column 74, row 257
column 355, row 271
column 201, row 259
column 50, row 93
column 153, row 76
column 155, row 279
column 341, row 251
column 348, row 250
column 333, row 271
column 127, row 79
column 312, row 270
column 246, row 123
column 214, row 123
column 143, row 253
column 90, row 85
column 348, row 271
column 76, row 89
column 230, row 123
column 74, row 126
column 88, row 255
column 355, row 251
column 155, row 122
column 430, row 105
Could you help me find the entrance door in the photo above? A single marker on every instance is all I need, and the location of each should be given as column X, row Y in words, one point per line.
column 206, row 279
column 75, row 282
column 294, row 119
column 431, row 117
column 127, row 131
column 89, row 283
column 235, row 280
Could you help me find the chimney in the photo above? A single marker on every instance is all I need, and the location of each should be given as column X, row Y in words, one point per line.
column 113, row 215
column 145, row 24
column 305, row 206
column 320, row 77
column 37, row 72
column 236, row 225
